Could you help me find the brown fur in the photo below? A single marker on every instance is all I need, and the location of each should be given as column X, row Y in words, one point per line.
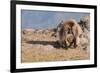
column 74, row 28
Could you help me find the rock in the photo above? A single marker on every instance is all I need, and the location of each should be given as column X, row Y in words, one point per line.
column 43, row 47
column 86, row 35
column 85, row 22
column 39, row 31
column 47, row 31
column 28, row 31
column 38, row 46
column 85, row 25
column 84, row 42
column 48, row 48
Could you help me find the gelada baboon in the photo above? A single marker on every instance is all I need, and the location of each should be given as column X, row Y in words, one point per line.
column 70, row 26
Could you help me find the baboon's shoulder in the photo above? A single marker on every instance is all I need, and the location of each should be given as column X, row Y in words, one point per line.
column 70, row 23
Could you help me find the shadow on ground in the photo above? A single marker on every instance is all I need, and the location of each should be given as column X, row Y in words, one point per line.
column 53, row 43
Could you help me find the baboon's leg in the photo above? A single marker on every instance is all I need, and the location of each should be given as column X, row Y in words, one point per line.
column 71, row 43
column 64, row 39
column 76, row 41
column 65, row 44
column 75, row 45
column 75, row 38
column 62, row 44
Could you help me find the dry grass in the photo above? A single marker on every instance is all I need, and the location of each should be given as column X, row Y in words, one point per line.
column 41, row 46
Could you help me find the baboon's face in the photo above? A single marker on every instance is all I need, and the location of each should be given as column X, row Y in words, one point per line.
column 68, row 31
column 69, row 39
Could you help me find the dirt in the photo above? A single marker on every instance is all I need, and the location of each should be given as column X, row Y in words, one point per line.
column 41, row 45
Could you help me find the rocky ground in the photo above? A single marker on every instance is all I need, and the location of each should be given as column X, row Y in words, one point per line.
column 41, row 45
